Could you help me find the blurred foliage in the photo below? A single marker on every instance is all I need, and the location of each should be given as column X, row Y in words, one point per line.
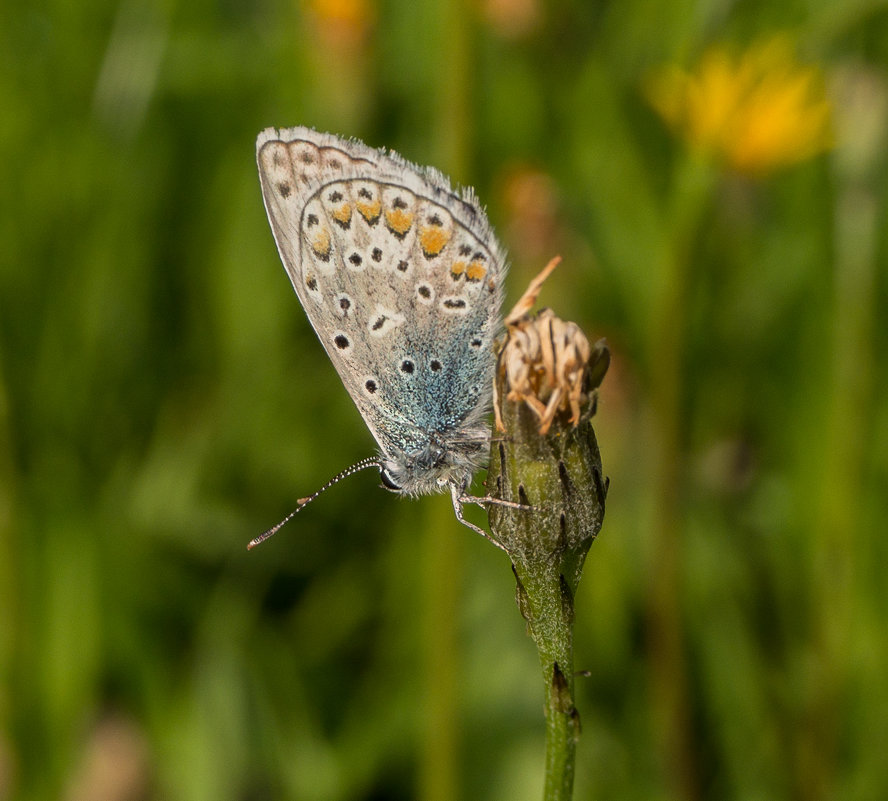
column 163, row 400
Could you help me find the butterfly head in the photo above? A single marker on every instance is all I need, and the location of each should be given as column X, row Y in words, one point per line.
column 433, row 468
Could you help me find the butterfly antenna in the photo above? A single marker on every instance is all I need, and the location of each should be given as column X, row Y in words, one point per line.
column 303, row 502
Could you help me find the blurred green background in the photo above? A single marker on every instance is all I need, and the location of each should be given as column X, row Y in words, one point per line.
column 163, row 400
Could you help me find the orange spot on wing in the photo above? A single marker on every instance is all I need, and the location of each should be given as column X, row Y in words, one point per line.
column 343, row 214
column 457, row 268
column 399, row 221
column 370, row 211
column 320, row 244
column 476, row 271
column 432, row 239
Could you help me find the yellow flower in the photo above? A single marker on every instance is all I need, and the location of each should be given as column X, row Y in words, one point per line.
column 756, row 111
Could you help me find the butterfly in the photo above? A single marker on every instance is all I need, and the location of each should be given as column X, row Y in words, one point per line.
column 401, row 277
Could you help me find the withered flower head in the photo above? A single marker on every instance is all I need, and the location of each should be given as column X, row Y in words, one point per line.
column 546, row 361
column 547, row 459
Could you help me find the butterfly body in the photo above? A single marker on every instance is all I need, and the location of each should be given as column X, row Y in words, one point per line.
column 402, row 279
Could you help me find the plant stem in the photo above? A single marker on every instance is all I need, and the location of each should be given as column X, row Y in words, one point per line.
column 549, row 607
column 557, row 475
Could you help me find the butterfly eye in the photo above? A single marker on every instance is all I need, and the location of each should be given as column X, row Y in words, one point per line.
column 387, row 480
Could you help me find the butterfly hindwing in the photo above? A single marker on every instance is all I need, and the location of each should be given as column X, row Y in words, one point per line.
column 400, row 276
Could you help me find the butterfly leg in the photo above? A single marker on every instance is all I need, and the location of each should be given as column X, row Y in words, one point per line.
column 488, row 501
column 458, row 500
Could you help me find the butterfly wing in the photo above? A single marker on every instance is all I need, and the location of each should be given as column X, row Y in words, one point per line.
column 400, row 276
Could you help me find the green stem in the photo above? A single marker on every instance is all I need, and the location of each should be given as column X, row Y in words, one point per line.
column 836, row 524
column 558, row 474
column 548, row 606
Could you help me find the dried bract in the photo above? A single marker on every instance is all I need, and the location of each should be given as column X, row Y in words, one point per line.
column 545, row 361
